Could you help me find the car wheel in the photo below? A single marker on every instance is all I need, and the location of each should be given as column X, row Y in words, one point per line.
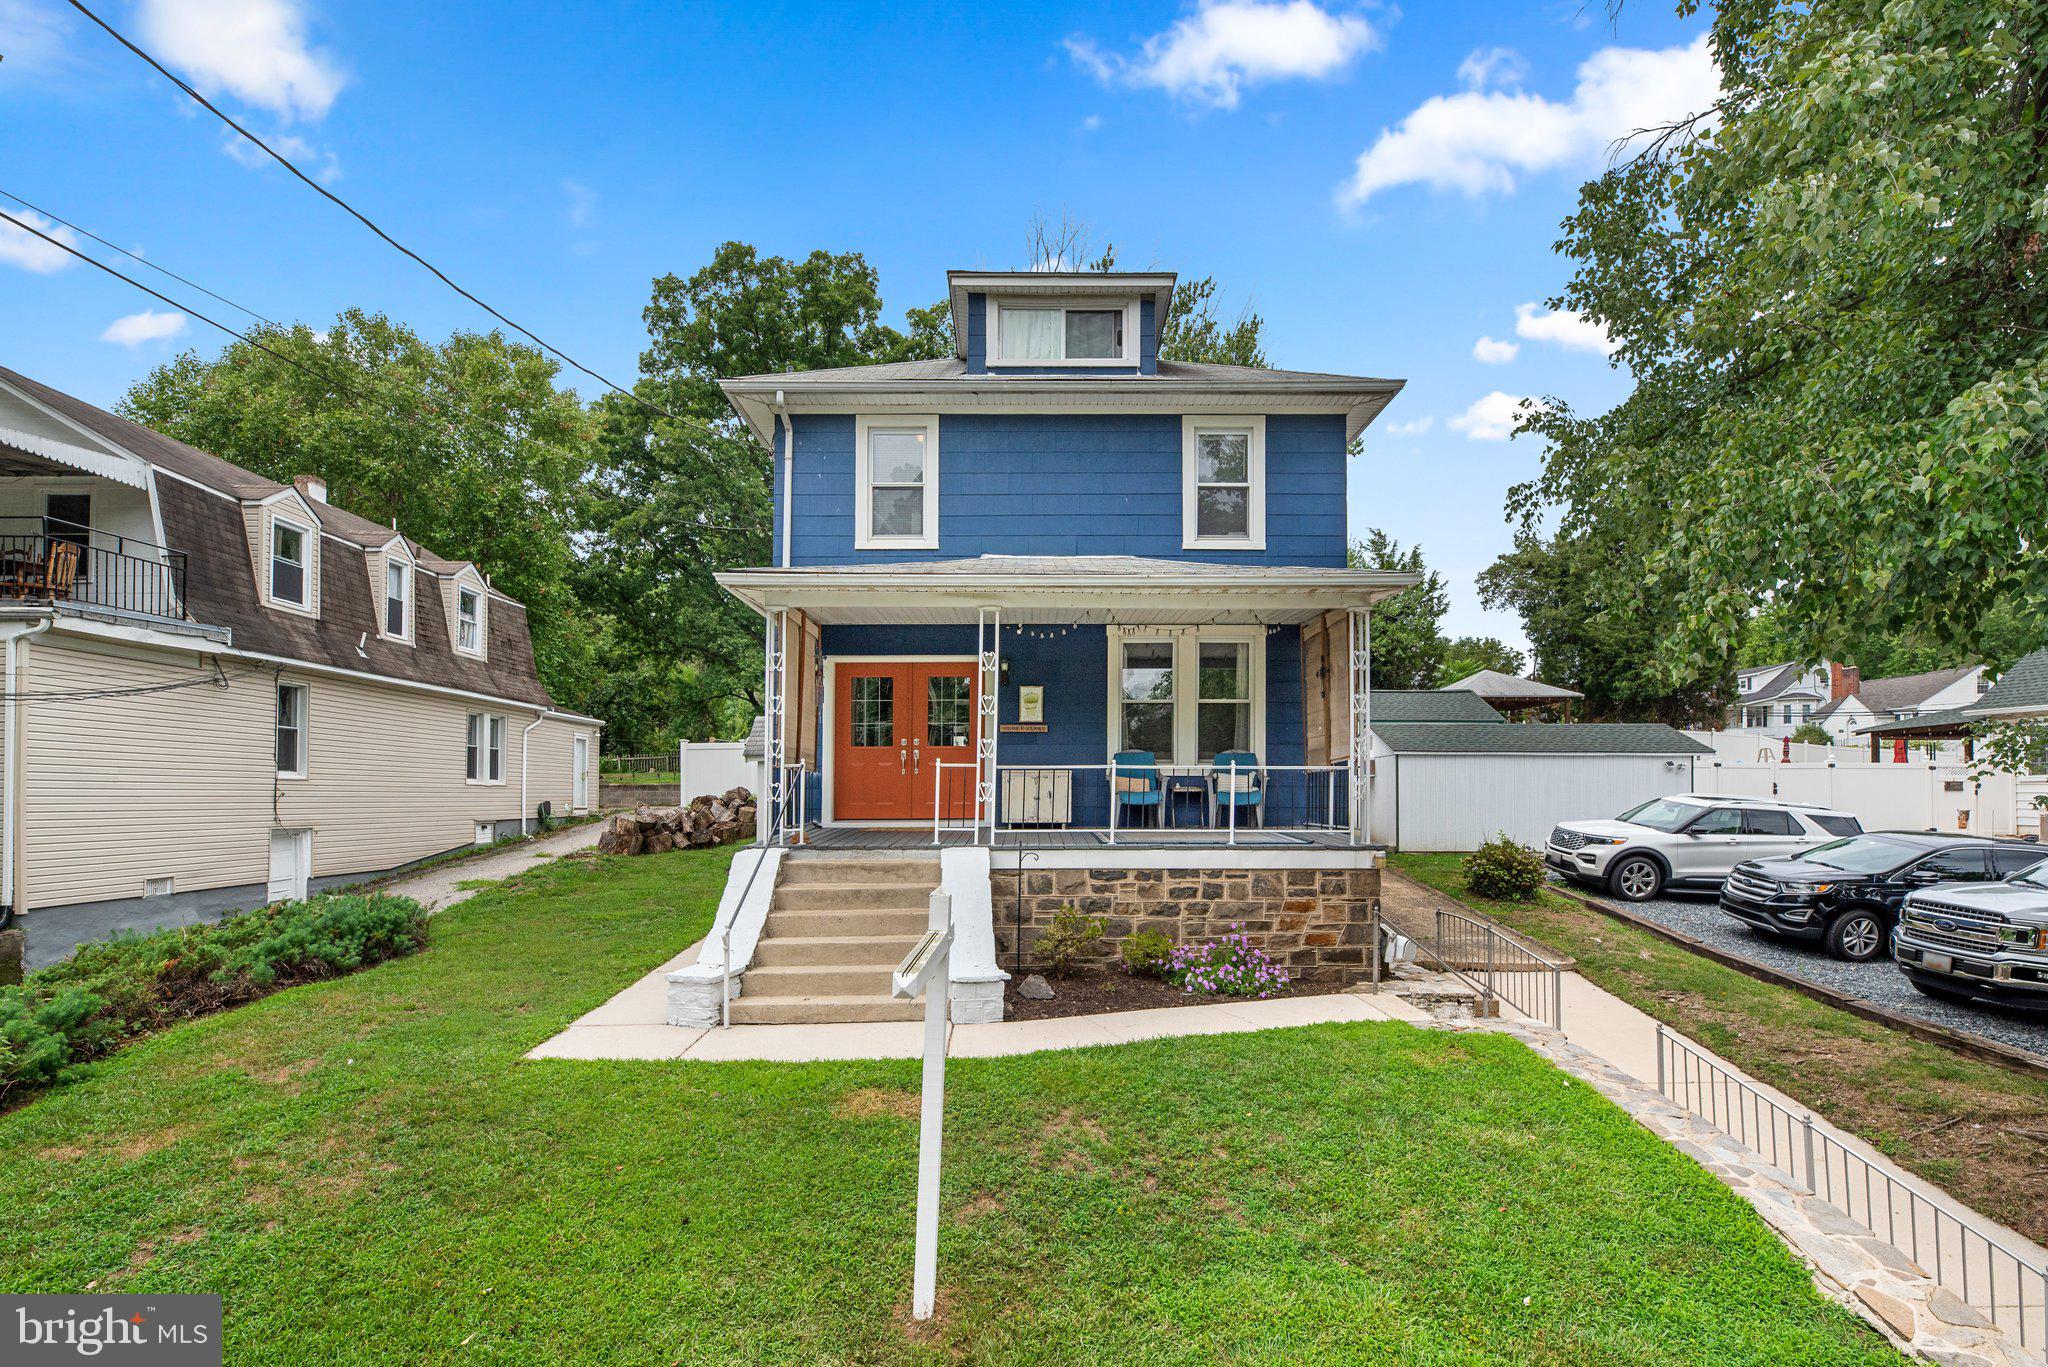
column 1636, row 878
column 1856, row 935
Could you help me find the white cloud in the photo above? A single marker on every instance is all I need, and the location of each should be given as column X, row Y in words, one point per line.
column 1480, row 140
column 33, row 35
column 1091, row 123
column 1487, row 66
column 582, row 203
column 1225, row 45
column 1567, row 328
column 30, row 252
column 255, row 50
column 1492, row 418
column 317, row 162
column 146, row 326
column 1415, row 427
column 1487, row 351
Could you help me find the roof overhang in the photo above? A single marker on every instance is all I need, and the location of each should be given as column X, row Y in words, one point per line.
column 119, row 468
column 1155, row 285
column 886, row 595
column 1360, row 401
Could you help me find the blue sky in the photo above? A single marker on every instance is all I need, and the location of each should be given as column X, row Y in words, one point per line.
column 1384, row 185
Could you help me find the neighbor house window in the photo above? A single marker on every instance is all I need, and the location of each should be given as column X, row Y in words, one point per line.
column 898, row 464
column 469, row 620
column 291, row 730
column 397, row 597
column 1223, row 496
column 486, row 748
column 1055, row 335
column 288, row 562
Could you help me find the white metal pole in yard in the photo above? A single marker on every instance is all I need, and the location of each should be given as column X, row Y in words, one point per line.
column 928, row 967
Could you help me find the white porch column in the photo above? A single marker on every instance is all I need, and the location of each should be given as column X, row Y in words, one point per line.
column 1361, row 724
column 988, row 648
column 776, row 669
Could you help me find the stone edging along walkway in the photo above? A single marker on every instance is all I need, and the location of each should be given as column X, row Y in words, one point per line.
column 1850, row 1263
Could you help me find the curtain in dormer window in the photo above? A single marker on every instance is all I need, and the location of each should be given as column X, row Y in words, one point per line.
column 1030, row 334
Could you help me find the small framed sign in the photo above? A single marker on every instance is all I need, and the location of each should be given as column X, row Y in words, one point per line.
column 1031, row 703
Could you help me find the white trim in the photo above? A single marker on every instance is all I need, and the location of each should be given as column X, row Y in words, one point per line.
column 828, row 710
column 81, row 459
column 305, row 729
column 1187, row 643
column 864, row 538
column 992, row 330
column 386, row 558
column 485, row 749
column 1139, row 855
column 1254, row 428
column 309, row 552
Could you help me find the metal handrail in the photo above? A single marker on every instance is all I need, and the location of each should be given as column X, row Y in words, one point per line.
column 769, row 841
column 1333, row 773
column 1813, row 1157
column 1498, row 967
column 151, row 584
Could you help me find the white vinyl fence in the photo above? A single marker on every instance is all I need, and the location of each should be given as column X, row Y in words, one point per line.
column 1427, row 801
column 714, row 766
column 1896, row 797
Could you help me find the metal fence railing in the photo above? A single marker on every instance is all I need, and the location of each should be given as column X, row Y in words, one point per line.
column 1951, row 1244
column 1497, row 967
column 47, row 559
column 636, row 764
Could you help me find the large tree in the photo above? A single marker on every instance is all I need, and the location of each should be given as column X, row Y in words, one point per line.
column 1830, row 294
column 1407, row 643
column 1467, row 655
column 469, row 446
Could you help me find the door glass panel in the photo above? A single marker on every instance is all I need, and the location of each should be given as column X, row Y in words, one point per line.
column 1954, row 865
column 874, row 711
column 1720, row 821
column 946, row 710
column 1768, row 823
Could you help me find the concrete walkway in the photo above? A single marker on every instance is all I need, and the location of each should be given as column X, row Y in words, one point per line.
column 633, row 1025
column 436, row 888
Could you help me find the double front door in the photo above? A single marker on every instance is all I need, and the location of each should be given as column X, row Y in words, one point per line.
column 895, row 723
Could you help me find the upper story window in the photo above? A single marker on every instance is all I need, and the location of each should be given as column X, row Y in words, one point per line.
column 288, row 543
column 898, row 495
column 469, row 619
column 397, row 599
column 1040, row 334
column 1223, row 494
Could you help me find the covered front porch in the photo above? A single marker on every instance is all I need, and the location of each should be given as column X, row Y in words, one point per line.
column 1066, row 703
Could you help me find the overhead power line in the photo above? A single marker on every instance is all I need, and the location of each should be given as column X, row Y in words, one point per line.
column 364, row 219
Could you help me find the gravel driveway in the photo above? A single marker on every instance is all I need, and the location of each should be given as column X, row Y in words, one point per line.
column 1878, row 981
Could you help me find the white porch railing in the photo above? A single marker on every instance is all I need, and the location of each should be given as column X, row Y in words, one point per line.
column 1121, row 801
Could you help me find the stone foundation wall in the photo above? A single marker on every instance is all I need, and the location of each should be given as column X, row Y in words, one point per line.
column 1314, row 922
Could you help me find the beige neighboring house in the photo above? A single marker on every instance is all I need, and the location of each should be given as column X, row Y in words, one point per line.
column 222, row 690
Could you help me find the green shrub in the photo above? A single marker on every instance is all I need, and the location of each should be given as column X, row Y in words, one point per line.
column 111, row 991
column 1504, row 871
column 1069, row 936
column 1146, row 954
column 1812, row 733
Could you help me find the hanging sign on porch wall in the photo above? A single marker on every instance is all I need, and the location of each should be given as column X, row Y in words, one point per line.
column 1028, row 727
column 1031, row 703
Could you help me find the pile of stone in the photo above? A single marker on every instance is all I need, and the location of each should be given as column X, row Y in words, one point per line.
column 706, row 821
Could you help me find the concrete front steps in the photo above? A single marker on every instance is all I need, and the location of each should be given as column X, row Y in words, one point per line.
column 836, row 927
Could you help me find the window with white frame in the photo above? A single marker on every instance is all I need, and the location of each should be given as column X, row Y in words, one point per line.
column 469, row 619
column 898, row 464
column 1223, row 495
column 1187, row 697
column 288, row 551
column 291, row 730
column 397, row 599
column 1082, row 334
column 486, row 748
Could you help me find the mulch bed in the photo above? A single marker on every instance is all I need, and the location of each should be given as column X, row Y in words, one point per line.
column 1094, row 991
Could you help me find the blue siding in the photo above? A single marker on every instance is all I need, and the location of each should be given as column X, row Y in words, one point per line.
column 1074, row 484
column 1148, row 338
column 977, row 334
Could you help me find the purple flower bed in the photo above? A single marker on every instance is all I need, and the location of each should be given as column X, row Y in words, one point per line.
column 1231, row 967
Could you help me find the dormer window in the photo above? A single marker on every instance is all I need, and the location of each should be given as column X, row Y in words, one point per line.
column 397, row 599
column 1037, row 334
column 469, row 620
column 288, row 562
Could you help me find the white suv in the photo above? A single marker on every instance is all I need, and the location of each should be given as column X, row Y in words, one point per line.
column 1690, row 841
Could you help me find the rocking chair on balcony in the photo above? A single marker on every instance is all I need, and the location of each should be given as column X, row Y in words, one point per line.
column 23, row 575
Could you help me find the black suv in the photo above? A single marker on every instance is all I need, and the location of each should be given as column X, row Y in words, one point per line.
column 1846, row 893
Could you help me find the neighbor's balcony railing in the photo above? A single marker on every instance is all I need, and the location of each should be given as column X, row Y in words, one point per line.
column 49, row 560
column 1124, row 802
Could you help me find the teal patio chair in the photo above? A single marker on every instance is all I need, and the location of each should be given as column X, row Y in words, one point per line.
column 1236, row 782
column 1136, row 785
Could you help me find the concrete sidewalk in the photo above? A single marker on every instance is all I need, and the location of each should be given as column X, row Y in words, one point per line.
column 436, row 888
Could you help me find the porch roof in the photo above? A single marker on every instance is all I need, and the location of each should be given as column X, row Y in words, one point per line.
column 1120, row 589
column 27, row 453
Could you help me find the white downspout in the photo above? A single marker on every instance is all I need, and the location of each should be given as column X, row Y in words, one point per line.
column 788, row 470
column 524, row 746
column 12, row 763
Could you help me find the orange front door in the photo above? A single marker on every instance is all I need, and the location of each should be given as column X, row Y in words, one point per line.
column 894, row 723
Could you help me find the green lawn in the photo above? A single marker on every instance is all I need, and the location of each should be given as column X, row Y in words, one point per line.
column 1973, row 1127
column 368, row 1172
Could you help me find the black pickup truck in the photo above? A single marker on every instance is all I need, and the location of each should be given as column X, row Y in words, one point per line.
column 1846, row 894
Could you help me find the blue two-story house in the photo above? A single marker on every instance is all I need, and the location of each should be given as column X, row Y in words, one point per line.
column 1055, row 593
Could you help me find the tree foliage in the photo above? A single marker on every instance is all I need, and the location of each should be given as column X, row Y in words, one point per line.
column 1467, row 655
column 469, row 446
column 1831, row 297
column 1407, row 643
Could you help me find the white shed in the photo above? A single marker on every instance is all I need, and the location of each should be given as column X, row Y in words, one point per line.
column 1455, row 785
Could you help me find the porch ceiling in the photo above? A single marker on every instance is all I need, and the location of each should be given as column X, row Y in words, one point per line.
column 26, row 453
column 1117, row 590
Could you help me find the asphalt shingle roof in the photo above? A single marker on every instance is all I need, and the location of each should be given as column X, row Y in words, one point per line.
column 2023, row 687
column 1491, row 683
column 1537, row 738
column 1431, row 705
column 1926, row 721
